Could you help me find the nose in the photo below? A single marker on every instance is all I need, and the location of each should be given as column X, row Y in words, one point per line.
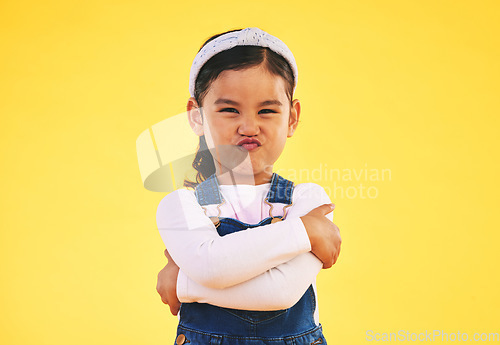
column 249, row 125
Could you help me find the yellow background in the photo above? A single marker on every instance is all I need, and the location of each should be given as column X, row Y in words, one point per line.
column 410, row 86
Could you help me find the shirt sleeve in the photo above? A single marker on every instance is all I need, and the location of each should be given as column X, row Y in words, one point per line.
column 219, row 262
column 278, row 288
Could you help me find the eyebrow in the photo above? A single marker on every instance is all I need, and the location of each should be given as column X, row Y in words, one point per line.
column 228, row 101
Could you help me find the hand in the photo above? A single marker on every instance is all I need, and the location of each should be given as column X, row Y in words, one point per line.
column 323, row 234
column 167, row 285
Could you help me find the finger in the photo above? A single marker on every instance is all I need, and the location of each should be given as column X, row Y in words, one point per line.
column 173, row 311
column 327, row 264
column 158, row 288
column 164, row 299
column 175, row 307
column 174, row 304
column 167, row 254
column 322, row 210
column 335, row 258
column 169, row 258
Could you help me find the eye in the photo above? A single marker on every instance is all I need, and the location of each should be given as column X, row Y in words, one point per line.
column 267, row 111
column 228, row 110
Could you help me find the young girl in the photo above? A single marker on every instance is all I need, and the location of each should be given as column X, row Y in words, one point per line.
column 245, row 246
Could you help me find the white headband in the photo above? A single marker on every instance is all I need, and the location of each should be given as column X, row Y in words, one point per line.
column 245, row 37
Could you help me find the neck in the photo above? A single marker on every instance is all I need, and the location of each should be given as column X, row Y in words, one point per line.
column 229, row 177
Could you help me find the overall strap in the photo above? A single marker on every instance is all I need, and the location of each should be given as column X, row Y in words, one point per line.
column 208, row 192
column 281, row 190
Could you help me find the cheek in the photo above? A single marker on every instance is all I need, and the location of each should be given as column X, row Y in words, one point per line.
column 208, row 135
column 216, row 132
column 281, row 139
column 281, row 145
column 278, row 142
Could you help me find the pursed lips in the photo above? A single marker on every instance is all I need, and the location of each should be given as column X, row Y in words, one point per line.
column 249, row 144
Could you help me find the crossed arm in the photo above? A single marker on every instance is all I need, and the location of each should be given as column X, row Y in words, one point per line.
column 215, row 269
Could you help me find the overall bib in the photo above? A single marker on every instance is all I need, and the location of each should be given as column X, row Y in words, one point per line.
column 206, row 324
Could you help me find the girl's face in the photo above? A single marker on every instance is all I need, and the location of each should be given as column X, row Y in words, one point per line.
column 246, row 119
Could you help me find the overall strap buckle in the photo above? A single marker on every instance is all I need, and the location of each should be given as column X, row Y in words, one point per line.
column 281, row 191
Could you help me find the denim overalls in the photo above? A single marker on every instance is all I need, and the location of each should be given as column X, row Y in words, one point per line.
column 206, row 324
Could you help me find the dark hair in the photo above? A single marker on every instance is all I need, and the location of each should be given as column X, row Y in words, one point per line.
column 237, row 58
